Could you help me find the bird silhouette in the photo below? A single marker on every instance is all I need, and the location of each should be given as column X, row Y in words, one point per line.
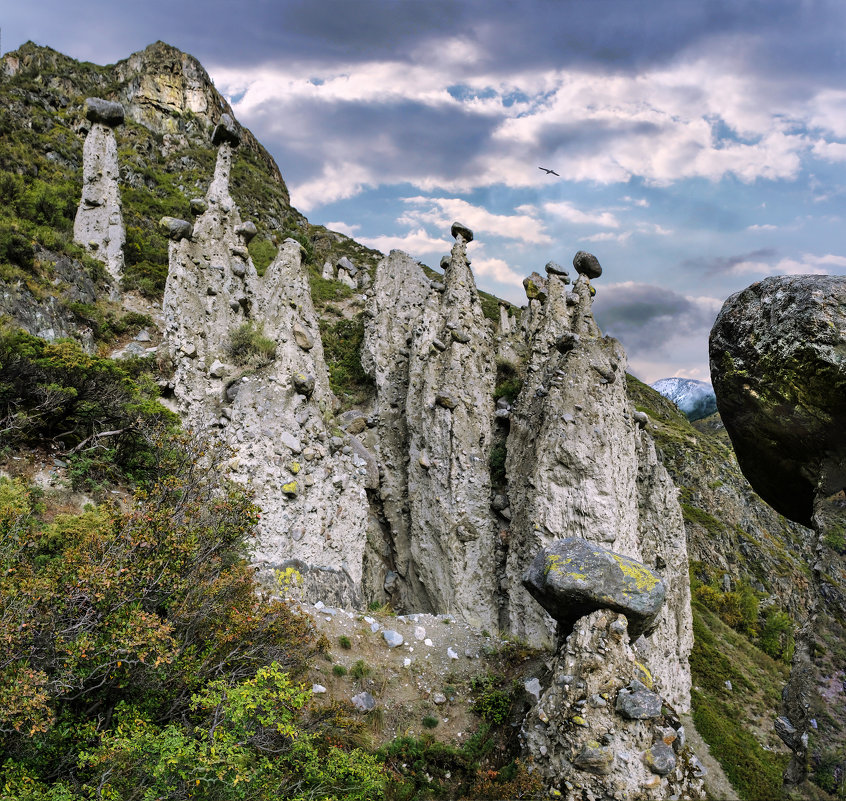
column 549, row 172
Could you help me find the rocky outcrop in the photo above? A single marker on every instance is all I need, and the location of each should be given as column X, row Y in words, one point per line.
column 400, row 293
column 98, row 225
column 778, row 371
column 248, row 361
column 600, row 730
column 430, row 351
column 450, row 419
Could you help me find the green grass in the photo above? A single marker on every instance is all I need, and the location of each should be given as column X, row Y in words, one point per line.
column 342, row 351
column 722, row 716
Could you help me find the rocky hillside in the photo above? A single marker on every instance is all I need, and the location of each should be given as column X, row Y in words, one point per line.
column 746, row 555
column 413, row 444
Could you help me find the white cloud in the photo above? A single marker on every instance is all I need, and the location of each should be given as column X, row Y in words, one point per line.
column 498, row 270
column 416, row 243
column 567, row 211
column 764, row 227
column 807, row 264
column 830, row 151
column 336, row 182
column 606, row 237
column 343, row 228
column 443, row 211
column 701, row 118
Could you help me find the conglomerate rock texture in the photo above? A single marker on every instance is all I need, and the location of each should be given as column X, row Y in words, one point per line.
column 599, row 730
column 311, row 489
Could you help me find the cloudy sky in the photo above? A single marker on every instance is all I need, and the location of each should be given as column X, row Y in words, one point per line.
column 700, row 145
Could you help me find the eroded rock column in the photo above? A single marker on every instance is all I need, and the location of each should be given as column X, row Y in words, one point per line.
column 449, row 411
column 98, row 225
column 271, row 401
column 579, row 465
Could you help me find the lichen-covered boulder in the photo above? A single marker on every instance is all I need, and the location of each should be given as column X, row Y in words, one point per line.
column 779, row 374
column 535, row 286
column 571, row 578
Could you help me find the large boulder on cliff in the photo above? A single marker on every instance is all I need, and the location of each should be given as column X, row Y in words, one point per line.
column 571, row 578
column 778, row 366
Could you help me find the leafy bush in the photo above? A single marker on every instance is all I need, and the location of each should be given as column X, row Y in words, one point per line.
column 82, row 404
column 16, row 249
column 344, row 642
column 776, row 637
column 339, row 670
column 496, row 463
column 249, row 346
column 342, row 350
column 139, row 660
column 360, row 669
column 491, row 703
column 262, row 252
column 430, row 722
column 508, row 382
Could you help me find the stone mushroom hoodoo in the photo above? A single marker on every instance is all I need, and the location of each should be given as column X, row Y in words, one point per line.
column 273, row 412
column 98, row 225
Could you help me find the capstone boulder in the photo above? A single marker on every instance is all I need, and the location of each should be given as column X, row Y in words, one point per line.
column 104, row 111
column 571, row 578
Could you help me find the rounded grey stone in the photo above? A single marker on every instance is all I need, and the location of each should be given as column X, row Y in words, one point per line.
column 104, row 111
column 458, row 229
column 587, row 264
column 176, row 229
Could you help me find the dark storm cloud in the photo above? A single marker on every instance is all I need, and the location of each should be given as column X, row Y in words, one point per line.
column 414, row 140
column 780, row 36
column 719, row 265
column 648, row 319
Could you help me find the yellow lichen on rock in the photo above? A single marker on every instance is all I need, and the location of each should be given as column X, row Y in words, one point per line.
column 643, row 578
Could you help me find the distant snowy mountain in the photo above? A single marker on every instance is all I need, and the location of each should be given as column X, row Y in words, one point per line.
column 695, row 398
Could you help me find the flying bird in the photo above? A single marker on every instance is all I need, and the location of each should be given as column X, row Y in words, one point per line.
column 549, row 172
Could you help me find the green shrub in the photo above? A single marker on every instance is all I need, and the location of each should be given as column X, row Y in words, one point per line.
column 342, row 351
column 16, row 249
column 776, row 637
column 92, row 408
column 262, row 252
column 344, row 642
column 491, row 702
column 509, row 383
column 497, row 463
column 360, row 669
column 249, row 347
column 339, row 670
column 430, row 722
